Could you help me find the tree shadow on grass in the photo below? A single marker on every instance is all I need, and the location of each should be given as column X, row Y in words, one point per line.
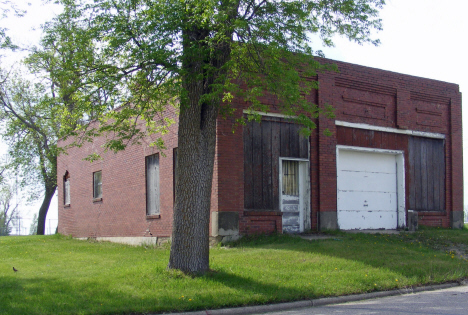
column 409, row 259
column 258, row 291
column 47, row 296
column 40, row 296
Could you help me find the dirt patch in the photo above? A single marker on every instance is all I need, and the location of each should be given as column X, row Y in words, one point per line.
column 312, row 237
column 459, row 250
column 441, row 243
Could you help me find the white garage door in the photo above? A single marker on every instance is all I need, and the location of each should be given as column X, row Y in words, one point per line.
column 367, row 190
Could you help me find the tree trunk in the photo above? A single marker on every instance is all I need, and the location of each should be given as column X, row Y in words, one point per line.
column 190, row 237
column 197, row 144
column 41, row 219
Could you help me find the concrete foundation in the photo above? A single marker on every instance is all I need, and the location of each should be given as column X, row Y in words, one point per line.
column 457, row 219
column 215, row 240
column 224, row 223
column 135, row 241
column 412, row 220
column 328, row 220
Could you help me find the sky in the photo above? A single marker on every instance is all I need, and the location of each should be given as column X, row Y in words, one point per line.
column 424, row 38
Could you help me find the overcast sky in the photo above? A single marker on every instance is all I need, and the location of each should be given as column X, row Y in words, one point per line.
column 424, row 38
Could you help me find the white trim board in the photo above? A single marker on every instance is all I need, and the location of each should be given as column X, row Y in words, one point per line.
column 372, row 150
column 246, row 111
column 391, row 130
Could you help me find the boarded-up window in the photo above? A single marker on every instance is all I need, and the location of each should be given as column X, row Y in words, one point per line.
column 66, row 188
column 97, row 184
column 264, row 144
column 427, row 174
column 152, row 184
column 291, row 178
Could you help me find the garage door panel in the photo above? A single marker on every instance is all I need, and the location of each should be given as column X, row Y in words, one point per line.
column 365, row 220
column 364, row 181
column 370, row 201
column 366, row 161
column 367, row 190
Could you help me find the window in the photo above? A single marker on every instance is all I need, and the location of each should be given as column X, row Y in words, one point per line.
column 66, row 188
column 291, row 178
column 97, row 185
column 152, row 184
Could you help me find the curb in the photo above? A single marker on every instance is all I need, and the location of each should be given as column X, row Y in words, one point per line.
column 319, row 302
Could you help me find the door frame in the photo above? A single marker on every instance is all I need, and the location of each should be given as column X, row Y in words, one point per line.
column 400, row 180
column 304, row 191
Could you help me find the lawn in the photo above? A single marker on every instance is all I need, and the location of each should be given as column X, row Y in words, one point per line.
column 59, row 275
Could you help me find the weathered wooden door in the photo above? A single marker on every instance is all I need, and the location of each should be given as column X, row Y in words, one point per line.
column 294, row 195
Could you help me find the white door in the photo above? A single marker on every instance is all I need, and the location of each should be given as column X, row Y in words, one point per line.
column 294, row 184
column 367, row 190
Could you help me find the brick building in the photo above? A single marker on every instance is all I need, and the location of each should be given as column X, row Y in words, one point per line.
column 394, row 159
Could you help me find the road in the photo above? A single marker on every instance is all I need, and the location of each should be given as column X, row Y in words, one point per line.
column 452, row 301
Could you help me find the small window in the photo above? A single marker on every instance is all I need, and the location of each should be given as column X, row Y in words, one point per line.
column 97, row 185
column 66, row 188
column 291, row 178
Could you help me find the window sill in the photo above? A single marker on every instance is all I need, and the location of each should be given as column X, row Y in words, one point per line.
column 249, row 213
column 153, row 216
column 66, row 205
column 97, row 199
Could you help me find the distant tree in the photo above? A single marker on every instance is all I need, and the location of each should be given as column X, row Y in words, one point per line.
column 31, row 131
column 196, row 55
column 7, row 210
column 33, row 227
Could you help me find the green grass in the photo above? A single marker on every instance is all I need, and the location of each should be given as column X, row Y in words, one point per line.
column 451, row 241
column 59, row 275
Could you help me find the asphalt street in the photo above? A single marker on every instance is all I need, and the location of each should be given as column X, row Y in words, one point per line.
column 451, row 301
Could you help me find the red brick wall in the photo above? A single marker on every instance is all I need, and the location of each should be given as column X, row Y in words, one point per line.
column 358, row 94
column 122, row 211
column 365, row 96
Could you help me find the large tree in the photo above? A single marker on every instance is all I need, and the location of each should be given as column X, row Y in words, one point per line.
column 37, row 111
column 31, row 132
column 196, row 55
